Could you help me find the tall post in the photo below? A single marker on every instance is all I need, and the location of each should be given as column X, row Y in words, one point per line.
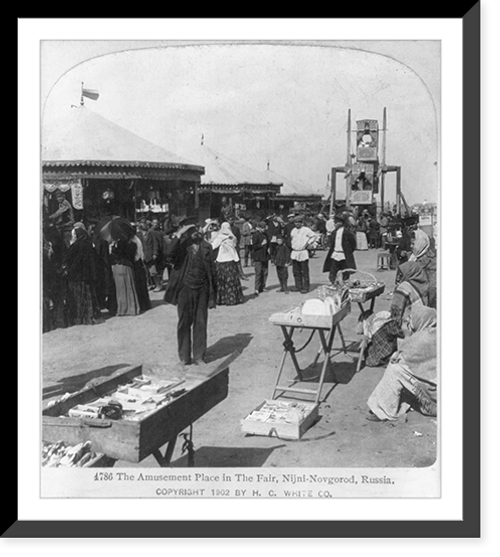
column 81, row 97
column 382, row 190
column 333, row 194
column 398, row 190
column 384, row 148
column 348, row 165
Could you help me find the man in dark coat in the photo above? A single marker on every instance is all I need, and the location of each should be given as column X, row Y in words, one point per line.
column 341, row 253
column 158, row 255
column 260, row 248
column 274, row 230
column 192, row 288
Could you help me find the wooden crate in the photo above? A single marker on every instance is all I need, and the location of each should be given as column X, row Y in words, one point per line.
column 305, row 321
column 281, row 430
column 130, row 440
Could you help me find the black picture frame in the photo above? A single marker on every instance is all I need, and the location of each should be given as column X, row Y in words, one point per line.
column 469, row 526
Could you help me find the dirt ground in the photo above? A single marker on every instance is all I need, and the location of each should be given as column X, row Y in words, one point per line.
column 342, row 437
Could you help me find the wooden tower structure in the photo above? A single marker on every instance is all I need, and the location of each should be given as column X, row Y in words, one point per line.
column 366, row 168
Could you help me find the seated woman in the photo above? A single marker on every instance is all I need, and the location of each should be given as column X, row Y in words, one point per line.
column 423, row 254
column 383, row 329
column 381, row 335
column 411, row 291
column 410, row 379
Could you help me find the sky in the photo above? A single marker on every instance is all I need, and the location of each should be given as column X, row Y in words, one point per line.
column 285, row 104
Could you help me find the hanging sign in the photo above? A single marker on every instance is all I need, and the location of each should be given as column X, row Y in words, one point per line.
column 63, row 185
column 77, row 195
column 362, row 197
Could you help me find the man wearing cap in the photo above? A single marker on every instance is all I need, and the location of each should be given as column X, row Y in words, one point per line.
column 63, row 218
column 341, row 253
column 300, row 237
column 274, row 230
column 260, row 249
column 192, row 288
column 246, row 238
column 289, row 226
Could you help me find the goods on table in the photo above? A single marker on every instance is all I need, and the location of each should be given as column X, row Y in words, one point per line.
column 363, row 287
column 60, row 454
column 143, row 430
column 328, row 302
column 131, row 401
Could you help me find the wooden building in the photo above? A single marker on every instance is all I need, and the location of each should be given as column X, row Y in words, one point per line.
column 230, row 187
column 103, row 167
column 294, row 196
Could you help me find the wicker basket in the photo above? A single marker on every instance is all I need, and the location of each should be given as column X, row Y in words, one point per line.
column 361, row 282
column 363, row 289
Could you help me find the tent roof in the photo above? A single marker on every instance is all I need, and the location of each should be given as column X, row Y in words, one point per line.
column 222, row 170
column 292, row 187
column 85, row 137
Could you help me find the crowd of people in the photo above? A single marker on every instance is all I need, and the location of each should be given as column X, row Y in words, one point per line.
column 89, row 272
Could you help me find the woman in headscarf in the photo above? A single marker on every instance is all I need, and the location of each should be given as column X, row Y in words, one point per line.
column 229, row 290
column 383, row 329
column 122, row 256
column 410, row 379
column 81, row 270
column 411, row 291
column 424, row 255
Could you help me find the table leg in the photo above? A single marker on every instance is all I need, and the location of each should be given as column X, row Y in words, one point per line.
column 164, row 461
column 361, row 354
column 344, row 348
column 327, row 348
column 290, row 347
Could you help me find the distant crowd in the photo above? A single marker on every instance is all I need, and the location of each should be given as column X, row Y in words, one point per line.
column 88, row 274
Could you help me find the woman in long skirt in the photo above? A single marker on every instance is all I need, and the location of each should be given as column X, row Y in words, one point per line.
column 229, row 290
column 80, row 266
column 122, row 264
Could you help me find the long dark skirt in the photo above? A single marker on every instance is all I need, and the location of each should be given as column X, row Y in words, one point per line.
column 141, row 285
column 229, row 290
column 82, row 305
column 126, row 294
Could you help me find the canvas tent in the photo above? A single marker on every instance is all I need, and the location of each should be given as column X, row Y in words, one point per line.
column 97, row 161
column 229, row 186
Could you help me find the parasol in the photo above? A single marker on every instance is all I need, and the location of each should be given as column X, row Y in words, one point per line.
column 114, row 228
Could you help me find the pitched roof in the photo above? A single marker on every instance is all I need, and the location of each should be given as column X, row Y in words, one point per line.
column 224, row 171
column 292, row 187
column 85, row 137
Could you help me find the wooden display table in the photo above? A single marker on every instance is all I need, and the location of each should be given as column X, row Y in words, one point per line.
column 325, row 327
column 133, row 441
